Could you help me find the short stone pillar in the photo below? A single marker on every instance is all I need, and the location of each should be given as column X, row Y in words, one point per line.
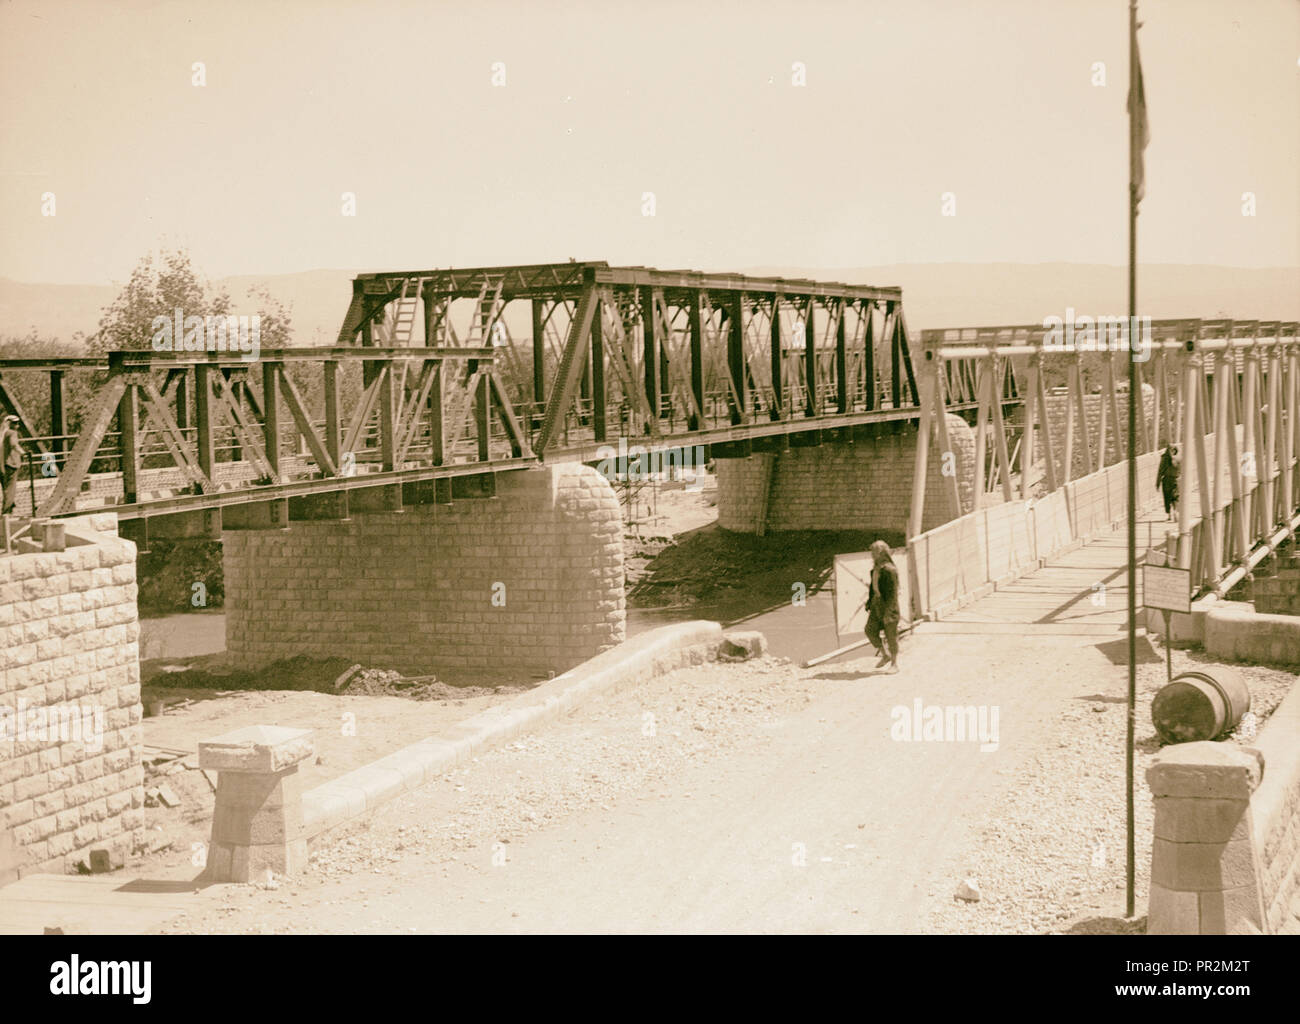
column 257, row 822
column 1205, row 875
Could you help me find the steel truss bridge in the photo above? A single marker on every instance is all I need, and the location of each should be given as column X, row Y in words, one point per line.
column 441, row 378
column 427, row 392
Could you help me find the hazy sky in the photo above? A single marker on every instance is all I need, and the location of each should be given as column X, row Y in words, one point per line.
column 991, row 100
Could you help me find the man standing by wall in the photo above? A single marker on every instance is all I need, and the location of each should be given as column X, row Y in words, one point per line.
column 11, row 461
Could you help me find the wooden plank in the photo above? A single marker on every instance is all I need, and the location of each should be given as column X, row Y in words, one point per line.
column 920, row 468
column 570, row 368
column 1000, row 439
column 1049, row 444
column 243, row 430
column 128, row 415
column 361, row 415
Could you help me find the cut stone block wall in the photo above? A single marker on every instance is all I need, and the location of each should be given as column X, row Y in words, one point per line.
column 529, row 581
column 1057, row 406
column 1275, row 807
column 71, row 776
column 864, row 485
column 1204, row 868
column 1279, row 594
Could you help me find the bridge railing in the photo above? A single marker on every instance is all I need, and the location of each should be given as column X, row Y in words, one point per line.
column 212, row 422
column 1225, row 393
column 961, row 560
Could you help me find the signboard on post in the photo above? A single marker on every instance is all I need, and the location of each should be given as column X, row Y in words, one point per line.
column 1167, row 589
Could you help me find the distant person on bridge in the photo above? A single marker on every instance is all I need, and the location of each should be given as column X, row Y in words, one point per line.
column 882, row 606
column 11, row 461
column 1167, row 479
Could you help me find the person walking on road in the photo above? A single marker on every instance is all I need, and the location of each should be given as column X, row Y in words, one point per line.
column 11, row 461
column 882, row 606
column 1167, row 479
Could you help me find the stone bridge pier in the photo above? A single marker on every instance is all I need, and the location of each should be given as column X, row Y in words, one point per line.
column 864, row 484
column 528, row 581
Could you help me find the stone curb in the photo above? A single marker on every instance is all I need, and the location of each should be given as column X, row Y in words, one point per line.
column 637, row 660
column 1275, row 809
column 1236, row 633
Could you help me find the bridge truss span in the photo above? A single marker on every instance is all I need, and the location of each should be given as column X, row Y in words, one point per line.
column 1224, row 393
column 448, row 373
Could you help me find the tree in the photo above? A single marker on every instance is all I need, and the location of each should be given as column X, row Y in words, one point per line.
column 154, row 290
column 31, row 388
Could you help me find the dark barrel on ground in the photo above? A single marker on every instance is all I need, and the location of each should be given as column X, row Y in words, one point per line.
column 1200, row 705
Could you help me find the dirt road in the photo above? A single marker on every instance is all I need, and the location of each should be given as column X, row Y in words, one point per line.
column 764, row 797
column 769, row 798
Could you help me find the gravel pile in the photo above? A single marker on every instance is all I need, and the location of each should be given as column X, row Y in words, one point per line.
column 380, row 682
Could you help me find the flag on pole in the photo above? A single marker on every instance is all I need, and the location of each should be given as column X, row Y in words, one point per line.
column 1137, row 110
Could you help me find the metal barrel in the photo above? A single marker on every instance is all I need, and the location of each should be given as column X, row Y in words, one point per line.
column 1200, row 705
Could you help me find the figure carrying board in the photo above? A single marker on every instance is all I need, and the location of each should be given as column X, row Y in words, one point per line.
column 852, row 578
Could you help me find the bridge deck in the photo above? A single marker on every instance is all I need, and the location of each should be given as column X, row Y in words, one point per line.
column 1058, row 598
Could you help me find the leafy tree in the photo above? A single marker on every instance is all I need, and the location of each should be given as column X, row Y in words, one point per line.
column 31, row 388
column 277, row 319
column 155, row 289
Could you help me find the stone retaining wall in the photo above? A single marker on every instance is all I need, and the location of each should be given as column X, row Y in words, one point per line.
column 71, row 778
column 1058, row 406
column 1279, row 594
column 1235, row 633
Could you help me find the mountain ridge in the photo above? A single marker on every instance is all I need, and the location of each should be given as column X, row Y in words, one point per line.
column 934, row 294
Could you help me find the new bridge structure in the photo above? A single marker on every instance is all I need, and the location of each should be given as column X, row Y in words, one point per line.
column 427, row 382
column 443, row 448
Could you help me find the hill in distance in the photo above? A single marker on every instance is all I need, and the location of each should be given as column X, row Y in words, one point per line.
column 934, row 295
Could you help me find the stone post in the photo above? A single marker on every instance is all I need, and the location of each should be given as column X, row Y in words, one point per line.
column 1205, row 875
column 257, row 822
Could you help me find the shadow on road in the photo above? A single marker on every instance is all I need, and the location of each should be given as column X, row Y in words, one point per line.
column 1116, row 651
column 864, row 674
column 1109, row 926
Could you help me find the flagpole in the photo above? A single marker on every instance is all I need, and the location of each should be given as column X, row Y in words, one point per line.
column 1132, row 451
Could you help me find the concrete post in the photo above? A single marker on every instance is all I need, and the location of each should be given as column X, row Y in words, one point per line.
column 257, row 822
column 1205, row 873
